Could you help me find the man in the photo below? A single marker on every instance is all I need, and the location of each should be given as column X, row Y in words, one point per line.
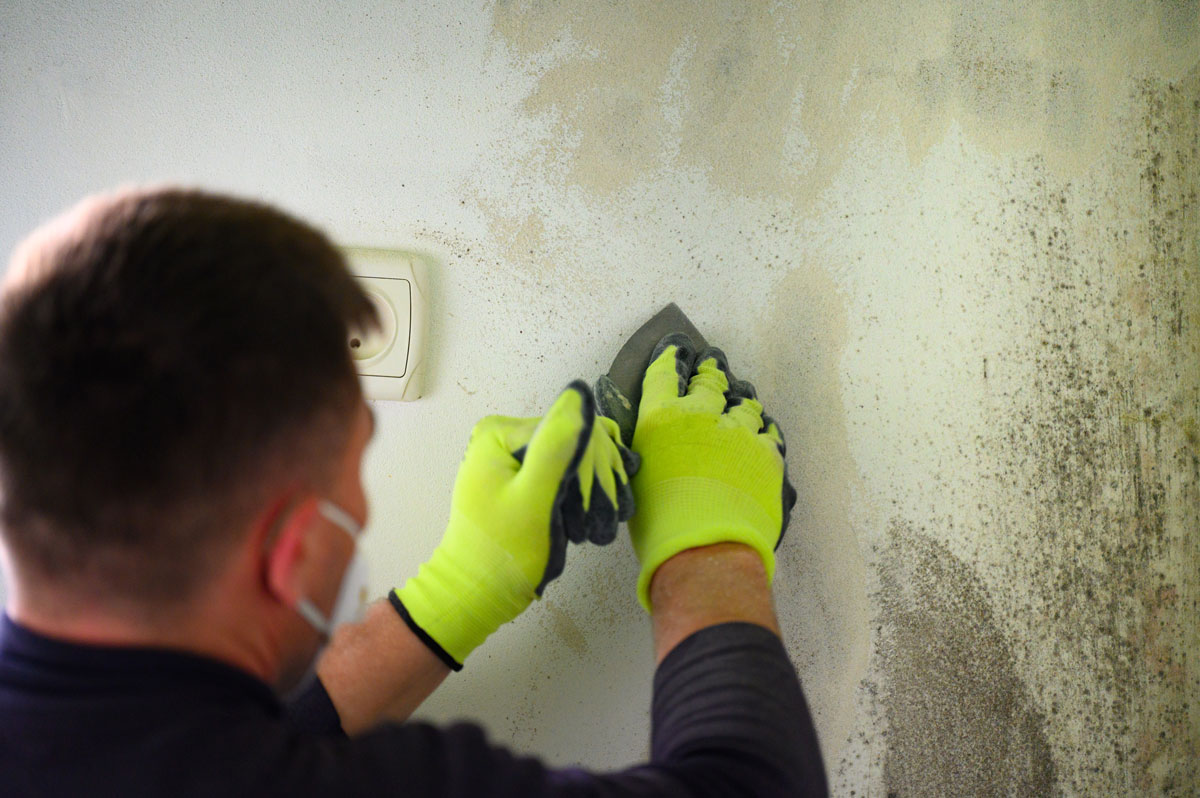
column 181, row 435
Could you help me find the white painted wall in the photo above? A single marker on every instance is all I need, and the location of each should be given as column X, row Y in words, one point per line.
column 917, row 227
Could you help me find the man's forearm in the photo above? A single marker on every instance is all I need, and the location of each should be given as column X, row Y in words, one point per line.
column 378, row 670
column 706, row 586
column 729, row 716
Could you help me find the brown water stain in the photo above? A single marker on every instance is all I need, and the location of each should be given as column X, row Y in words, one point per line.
column 565, row 628
column 769, row 99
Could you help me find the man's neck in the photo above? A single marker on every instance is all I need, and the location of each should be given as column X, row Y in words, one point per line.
column 202, row 627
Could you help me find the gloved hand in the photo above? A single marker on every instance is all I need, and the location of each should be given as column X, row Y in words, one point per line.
column 508, row 531
column 712, row 469
column 599, row 496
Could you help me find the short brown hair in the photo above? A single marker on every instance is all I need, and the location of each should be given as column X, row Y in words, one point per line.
column 167, row 357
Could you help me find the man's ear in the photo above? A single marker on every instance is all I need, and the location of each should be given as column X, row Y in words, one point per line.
column 288, row 553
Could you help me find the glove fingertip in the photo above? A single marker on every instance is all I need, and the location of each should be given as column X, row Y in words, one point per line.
column 631, row 461
column 685, row 357
column 681, row 341
column 609, row 425
column 738, row 392
column 771, row 430
column 717, row 354
column 574, row 517
column 626, row 506
column 602, row 521
column 561, row 438
column 710, row 379
column 585, row 392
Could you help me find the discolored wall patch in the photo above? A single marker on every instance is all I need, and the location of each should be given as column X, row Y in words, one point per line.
column 768, row 99
column 1095, row 448
column 959, row 720
column 821, row 590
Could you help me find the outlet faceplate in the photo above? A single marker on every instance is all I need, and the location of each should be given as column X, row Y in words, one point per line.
column 390, row 360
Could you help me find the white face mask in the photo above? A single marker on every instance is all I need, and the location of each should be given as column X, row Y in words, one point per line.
column 352, row 594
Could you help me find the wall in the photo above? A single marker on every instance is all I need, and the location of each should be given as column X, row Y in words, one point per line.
column 954, row 244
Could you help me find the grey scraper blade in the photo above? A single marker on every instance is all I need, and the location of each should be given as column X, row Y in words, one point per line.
column 619, row 391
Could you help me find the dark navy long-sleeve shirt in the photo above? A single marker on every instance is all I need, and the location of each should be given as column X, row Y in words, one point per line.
column 728, row 719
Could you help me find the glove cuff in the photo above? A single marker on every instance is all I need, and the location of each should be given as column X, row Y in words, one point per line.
column 458, row 601
column 689, row 512
column 422, row 635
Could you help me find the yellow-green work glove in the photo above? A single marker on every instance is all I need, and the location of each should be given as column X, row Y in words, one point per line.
column 507, row 535
column 712, row 466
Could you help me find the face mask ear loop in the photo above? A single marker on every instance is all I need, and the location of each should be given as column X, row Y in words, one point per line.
column 351, row 527
column 310, row 613
column 339, row 517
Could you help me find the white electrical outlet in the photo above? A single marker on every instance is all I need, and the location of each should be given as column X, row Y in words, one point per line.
column 390, row 360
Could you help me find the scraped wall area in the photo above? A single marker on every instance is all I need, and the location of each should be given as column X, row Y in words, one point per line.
column 955, row 245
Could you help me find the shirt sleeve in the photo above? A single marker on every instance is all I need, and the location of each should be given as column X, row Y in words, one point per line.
column 728, row 719
column 311, row 710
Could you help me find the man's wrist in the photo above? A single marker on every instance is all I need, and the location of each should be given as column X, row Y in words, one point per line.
column 377, row 669
column 434, row 646
column 705, row 586
column 696, row 511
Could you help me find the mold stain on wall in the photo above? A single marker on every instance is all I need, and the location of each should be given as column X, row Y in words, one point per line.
column 1071, row 630
column 1095, row 443
column 960, row 720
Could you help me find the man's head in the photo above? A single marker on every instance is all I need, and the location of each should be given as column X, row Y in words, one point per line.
column 171, row 362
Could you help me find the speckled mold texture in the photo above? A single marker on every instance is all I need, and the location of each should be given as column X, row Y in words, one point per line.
column 1074, row 672
column 955, row 245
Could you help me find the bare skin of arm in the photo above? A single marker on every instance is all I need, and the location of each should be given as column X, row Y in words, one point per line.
column 378, row 670
column 706, row 586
